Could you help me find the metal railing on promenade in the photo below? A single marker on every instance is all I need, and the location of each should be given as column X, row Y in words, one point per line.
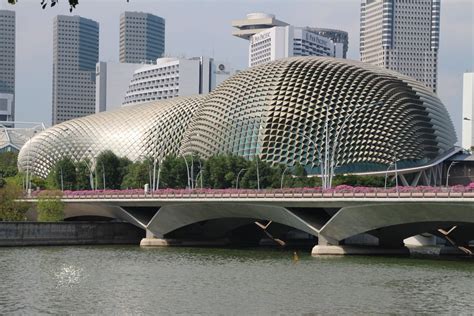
column 298, row 193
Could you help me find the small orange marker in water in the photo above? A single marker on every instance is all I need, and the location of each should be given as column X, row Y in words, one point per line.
column 295, row 256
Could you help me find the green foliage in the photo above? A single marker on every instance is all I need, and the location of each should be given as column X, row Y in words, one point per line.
column 50, row 207
column 265, row 175
column 137, row 175
column 8, row 164
column 112, row 169
column 82, row 176
column 173, row 172
column 353, row 180
column 10, row 208
column 65, row 174
column 220, row 171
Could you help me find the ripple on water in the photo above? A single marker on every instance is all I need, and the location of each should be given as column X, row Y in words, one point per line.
column 130, row 280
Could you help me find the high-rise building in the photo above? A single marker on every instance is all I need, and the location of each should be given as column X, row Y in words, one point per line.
column 340, row 38
column 75, row 54
column 173, row 77
column 468, row 110
column 286, row 41
column 7, row 66
column 142, row 37
column 112, row 80
column 402, row 35
column 271, row 39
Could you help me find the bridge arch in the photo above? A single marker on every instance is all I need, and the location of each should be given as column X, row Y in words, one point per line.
column 396, row 220
column 175, row 216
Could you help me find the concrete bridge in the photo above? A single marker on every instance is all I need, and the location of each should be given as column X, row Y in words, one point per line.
column 335, row 221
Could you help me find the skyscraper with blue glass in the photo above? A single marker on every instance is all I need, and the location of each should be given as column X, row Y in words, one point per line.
column 7, row 65
column 142, row 37
column 75, row 54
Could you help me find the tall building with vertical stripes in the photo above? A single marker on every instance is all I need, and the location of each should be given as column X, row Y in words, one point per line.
column 402, row 35
column 7, row 65
column 75, row 54
column 142, row 37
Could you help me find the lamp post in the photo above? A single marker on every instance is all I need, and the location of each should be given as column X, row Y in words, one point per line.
column 103, row 174
column 333, row 163
column 187, row 170
column 282, row 177
column 386, row 175
column 238, row 175
column 258, row 173
column 91, row 175
column 62, row 179
column 447, row 172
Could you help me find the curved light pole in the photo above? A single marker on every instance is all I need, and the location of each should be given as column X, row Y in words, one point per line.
column 386, row 174
column 282, row 177
column 103, row 174
column 447, row 172
column 336, row 140
column 187, row 169
column 91, row 175
column 258, row 173
column 238, row 175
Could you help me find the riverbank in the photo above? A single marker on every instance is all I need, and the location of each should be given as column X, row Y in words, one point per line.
column 68, row 233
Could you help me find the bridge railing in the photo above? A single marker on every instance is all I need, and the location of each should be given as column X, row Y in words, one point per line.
column 297, row 193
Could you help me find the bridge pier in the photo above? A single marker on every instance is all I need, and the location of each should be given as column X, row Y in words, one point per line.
column 329, row 247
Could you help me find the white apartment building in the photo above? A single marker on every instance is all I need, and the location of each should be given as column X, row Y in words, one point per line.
column 112, row 80
column 173, row 77
column 467, row 110
column 402, row 35
column 286, row 41
column 272, row 39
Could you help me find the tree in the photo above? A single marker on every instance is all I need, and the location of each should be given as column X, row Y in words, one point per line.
column 173, row 172
column 354, row 180
column 263, row 178
column 44, row 3
column 50, row 207
column 8, row 164
column 110, row 168
column 10, row 208
column 64, row 174
column 137, row 175
column 220, row 171
column 82, row 176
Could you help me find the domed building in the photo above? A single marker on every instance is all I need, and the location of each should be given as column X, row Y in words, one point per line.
column 317, row 111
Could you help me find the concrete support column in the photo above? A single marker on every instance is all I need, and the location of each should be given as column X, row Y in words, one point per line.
column 329, row 247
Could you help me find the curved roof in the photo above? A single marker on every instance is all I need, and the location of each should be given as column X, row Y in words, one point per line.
column 145, row 130
column 283, row 111
column 279, row 111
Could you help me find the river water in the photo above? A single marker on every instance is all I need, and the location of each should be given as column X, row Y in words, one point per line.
column 205, row 281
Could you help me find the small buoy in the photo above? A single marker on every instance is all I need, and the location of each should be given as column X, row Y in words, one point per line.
column 295, row 256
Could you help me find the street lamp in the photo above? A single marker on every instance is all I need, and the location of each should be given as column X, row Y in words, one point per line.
column 447, row 172
column 258, row 173
column 238, row 175
column 187, row 170
column 103, row 174
column 282, row 177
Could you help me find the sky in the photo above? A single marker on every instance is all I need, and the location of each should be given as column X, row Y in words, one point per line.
column 203, row 27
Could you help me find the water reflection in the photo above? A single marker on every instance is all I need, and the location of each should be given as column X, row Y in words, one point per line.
column 68, row 275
